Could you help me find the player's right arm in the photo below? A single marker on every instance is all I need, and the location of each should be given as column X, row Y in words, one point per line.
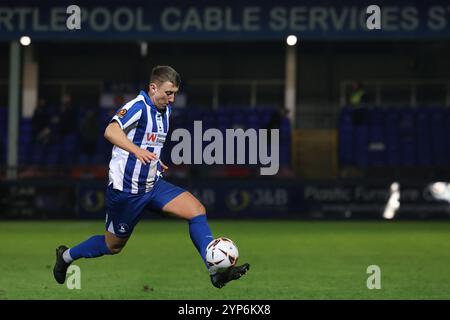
column 115, row 135
column 127, row 117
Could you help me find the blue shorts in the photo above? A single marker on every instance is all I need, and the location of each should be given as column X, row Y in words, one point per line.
column 124, row 210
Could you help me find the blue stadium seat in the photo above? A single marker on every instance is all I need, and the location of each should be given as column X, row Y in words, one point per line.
column 392, row 142
column 377, row 145
column 439, row 138
column 407, row 136
column 423, row 137
column 361, row 146
column 82, row 159
column 209, row 120
column 346, row 145
column 447, row 134
column 253, row 120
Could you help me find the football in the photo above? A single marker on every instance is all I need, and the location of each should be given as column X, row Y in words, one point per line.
column 221, row 254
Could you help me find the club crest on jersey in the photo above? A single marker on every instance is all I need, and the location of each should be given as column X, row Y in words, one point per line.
column 122, row 113
column 123, row 227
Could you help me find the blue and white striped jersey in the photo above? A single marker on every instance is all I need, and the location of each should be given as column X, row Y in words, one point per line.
column 147, row 128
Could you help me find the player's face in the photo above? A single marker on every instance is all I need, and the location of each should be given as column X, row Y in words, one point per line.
column 164, row 94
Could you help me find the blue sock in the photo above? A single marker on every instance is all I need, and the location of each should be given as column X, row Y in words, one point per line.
column 93, row 247
column 200, row 234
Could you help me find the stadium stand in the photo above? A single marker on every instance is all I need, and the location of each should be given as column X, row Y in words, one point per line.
column 65, row 150
column 395, row 136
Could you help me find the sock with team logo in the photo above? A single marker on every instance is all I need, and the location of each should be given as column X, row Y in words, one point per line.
column 93, row 247
column 200, row 234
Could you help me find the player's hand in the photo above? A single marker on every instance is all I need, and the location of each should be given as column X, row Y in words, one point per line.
column 145, row 156
column 163, row 166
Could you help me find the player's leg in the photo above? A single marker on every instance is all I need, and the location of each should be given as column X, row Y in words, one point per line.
column 183, row 204
column 123, row 213
column 187, row 207
column 93, row 247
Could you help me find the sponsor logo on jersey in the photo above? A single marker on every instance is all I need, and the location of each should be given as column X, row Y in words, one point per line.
column 151, row 136
column 156, row 139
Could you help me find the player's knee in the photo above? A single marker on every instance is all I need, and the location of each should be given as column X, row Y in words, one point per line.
column 197, row 210
column 115, row 248
column 200, row 209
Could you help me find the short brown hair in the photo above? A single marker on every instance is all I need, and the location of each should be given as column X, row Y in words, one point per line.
column 161, row 74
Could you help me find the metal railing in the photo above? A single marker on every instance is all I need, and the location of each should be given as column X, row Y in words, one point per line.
column 253, row 87
column 381, row 86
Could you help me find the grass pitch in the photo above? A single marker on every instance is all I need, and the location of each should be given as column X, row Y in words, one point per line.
column 289, row 260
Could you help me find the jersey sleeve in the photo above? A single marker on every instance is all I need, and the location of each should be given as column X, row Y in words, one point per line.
column 129, row 114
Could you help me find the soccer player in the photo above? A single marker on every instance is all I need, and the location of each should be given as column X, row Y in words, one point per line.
column 138, row 132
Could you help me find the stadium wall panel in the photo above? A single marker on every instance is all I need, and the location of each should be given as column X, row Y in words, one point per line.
column 233, row 199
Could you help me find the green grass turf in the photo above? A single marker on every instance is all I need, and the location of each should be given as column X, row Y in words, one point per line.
column 289, row 260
